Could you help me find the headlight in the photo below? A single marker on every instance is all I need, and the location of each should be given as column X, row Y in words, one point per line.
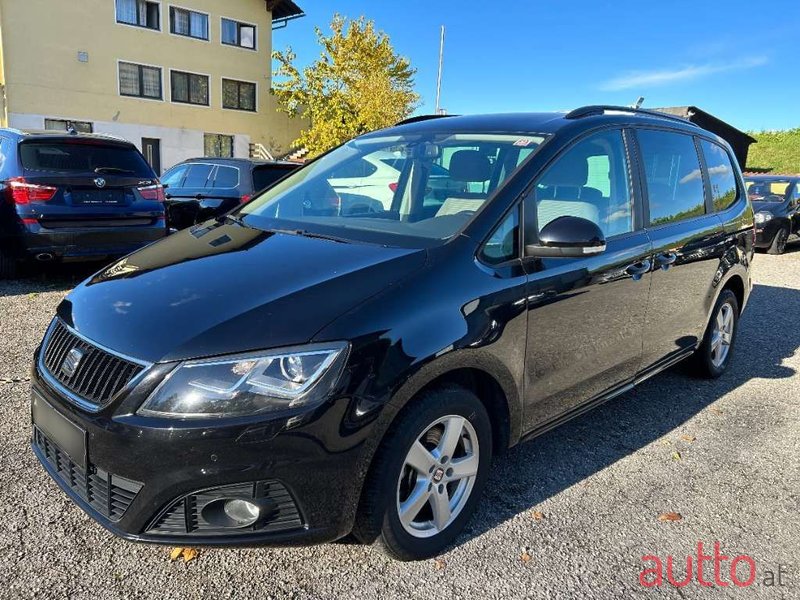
column 763, row 217
column 248, row 384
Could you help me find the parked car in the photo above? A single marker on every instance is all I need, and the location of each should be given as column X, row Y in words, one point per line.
column 74, row 197
column 202, row 188
column 776, row 200
column 282, row 376
column 375, row 178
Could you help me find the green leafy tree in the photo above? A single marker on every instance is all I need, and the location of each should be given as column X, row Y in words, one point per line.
column 358, row 84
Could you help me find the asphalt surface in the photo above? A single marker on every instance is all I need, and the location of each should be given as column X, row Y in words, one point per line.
column 723, row 454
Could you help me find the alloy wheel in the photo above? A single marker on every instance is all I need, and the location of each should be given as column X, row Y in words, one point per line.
column 722, row 336
column 437, row 476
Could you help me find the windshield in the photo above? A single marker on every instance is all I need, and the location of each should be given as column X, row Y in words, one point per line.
column 419, row 188
column 84, row 156
column 769, row 190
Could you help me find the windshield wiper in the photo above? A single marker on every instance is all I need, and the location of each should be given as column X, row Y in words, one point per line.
column 312, row 234
column 112, row 170
column 235, row 219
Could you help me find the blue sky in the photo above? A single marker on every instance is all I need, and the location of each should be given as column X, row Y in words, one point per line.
column 737, row 59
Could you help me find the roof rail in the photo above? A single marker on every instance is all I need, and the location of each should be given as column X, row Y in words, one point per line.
column 599, row 109
column 419, row 118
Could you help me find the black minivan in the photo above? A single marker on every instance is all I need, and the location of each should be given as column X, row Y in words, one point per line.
column 201, row 188
column 74, row 197
column 291, row 373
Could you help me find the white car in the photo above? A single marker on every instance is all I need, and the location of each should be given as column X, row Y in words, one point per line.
column 376, row 175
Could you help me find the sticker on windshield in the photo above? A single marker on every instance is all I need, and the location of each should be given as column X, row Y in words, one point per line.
column 523, row 142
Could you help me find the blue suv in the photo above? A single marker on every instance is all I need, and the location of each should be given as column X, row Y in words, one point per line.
column 74, row 197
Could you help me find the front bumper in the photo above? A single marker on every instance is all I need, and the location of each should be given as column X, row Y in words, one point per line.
column 141, row 473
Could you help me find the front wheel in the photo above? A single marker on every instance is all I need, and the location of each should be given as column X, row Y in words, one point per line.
column 778, row 245
column 714, row 354
column 429, row 473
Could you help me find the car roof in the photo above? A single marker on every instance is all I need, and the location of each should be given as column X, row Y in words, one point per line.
column 21, row 134
column 239, row 162
column 545, row 123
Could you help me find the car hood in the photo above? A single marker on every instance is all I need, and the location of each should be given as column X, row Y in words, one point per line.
column 225, row 288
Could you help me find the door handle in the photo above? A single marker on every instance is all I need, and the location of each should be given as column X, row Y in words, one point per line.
column 199, row 197
column 665, row 259
column 168, row 196
column 636, row 270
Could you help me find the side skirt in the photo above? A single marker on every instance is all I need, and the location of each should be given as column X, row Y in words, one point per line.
column 607, row 395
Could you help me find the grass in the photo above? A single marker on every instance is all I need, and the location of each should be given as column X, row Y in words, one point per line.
column 775, row 152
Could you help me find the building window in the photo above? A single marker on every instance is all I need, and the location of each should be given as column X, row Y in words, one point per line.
column 238, row 34
column 188, row 23
column 66, row 125
column 141, row 13
column 238, row 95
column 189, row 88
column 140, row 81
column 218, row 145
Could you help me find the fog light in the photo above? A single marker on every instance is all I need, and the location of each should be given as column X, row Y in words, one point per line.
column 242, row 512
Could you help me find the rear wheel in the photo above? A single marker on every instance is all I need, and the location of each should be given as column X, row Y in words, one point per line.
column 778, row 245
column 714, row 354
column 428, row 474
column 8, row 267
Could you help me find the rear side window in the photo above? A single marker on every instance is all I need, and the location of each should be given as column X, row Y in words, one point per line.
column 353, row 169
column 721, row 174
column 226, row 177
column 197, row 176
column 673, row 176
column 266, row 176
column 83, row 157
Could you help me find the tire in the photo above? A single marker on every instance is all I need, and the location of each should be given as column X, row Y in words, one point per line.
column 8, row 267
column 714, row 354
column 392, row 482
column 778, row 245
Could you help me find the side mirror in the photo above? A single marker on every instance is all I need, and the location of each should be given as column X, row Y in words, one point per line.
column 568, row 236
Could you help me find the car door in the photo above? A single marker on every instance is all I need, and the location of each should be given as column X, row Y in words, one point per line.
column 184, row 193
column 794, row 206
column 221, row 193
column 586, row 315
column 688, row 243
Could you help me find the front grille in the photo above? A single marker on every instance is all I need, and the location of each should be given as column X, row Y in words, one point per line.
column 108, row 494
column 186, row 515
column 99, row 376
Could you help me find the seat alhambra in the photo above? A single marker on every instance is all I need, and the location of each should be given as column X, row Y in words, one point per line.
column 293, row 372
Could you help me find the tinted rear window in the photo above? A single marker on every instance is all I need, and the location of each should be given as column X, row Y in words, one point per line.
column 83, row 157
column 266, row 176
column 197, row 176
column 226, row 177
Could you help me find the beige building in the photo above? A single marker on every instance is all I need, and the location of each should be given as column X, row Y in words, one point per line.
column 180, row 79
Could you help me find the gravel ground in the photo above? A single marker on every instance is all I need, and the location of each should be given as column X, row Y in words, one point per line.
column 568, row 515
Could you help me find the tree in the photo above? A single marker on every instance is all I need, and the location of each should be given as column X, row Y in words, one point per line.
column 357, row 85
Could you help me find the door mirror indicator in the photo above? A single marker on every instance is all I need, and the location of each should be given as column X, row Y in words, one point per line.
column 568, row 236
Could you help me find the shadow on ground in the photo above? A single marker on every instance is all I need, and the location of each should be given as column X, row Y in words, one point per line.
column 536, row 470
column 49, row 277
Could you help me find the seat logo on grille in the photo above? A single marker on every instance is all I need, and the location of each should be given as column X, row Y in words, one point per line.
column 71, row 362
column 100, row 182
